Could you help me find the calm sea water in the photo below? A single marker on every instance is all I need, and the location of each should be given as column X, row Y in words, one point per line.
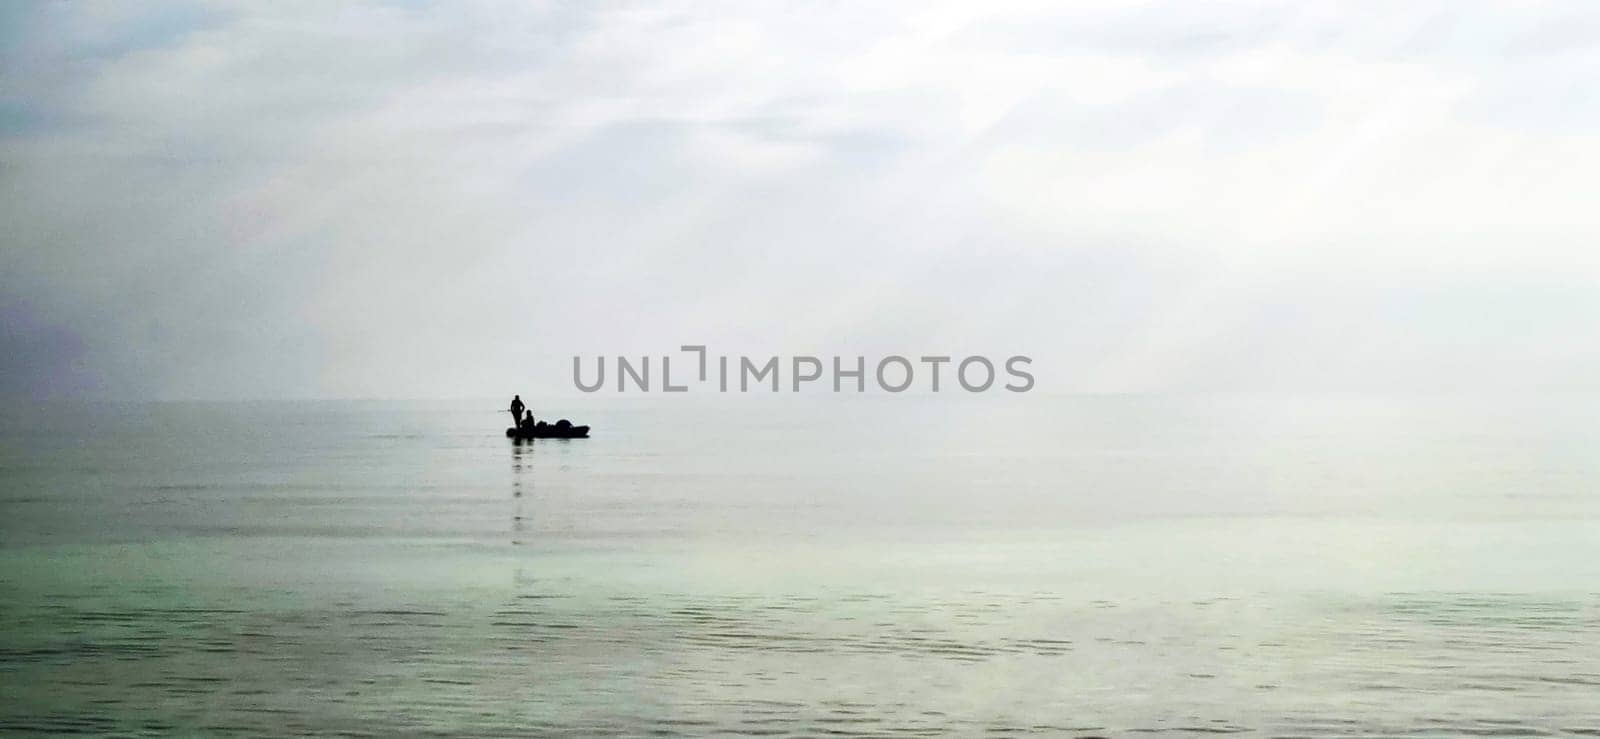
column 805, row 566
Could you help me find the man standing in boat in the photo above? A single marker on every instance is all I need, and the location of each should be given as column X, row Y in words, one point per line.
column 516, row 411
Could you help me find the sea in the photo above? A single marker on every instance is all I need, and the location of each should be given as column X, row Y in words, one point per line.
column 804, row 565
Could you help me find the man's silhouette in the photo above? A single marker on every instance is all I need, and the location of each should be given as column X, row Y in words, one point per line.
column 516, row 410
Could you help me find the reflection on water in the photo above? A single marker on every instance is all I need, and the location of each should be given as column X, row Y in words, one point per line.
column 1109, row 570
column 519, row 448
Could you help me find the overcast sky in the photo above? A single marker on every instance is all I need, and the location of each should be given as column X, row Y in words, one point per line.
column 418, row 199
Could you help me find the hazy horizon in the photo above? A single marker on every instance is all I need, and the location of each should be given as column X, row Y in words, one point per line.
column 377, row 200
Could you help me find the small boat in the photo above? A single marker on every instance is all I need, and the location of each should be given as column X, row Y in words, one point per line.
column 562, row 429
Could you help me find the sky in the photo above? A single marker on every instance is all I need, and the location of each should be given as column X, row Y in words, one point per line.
column 420, row 199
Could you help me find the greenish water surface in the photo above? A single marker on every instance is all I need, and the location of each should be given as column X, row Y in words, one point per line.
column 865, row 566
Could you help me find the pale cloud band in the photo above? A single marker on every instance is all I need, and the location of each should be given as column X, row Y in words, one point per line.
column 418, row 199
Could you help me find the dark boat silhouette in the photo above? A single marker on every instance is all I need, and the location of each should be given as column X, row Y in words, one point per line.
column 562, row 429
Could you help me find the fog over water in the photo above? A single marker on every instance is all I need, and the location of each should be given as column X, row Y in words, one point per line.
column 1309, row 292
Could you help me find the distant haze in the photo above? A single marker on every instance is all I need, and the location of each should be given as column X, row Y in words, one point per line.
column 416, row 199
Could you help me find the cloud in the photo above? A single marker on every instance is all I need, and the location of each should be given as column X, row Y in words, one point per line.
column 385, row 199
